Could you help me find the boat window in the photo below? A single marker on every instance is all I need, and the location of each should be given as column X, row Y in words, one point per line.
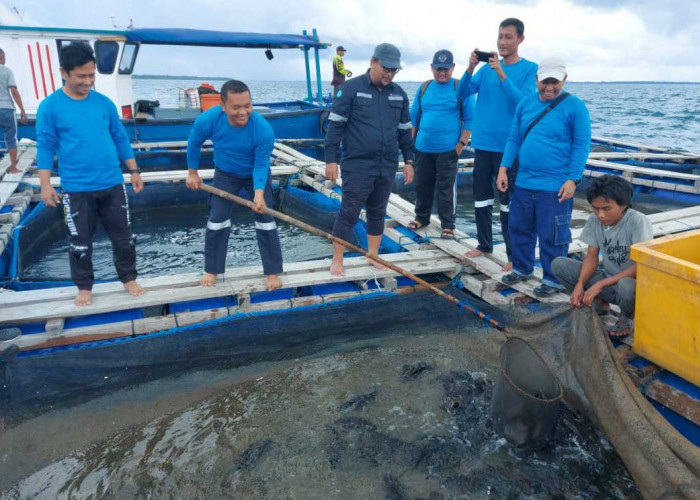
column 106, row 55
column 126, row 65
column 64, row 42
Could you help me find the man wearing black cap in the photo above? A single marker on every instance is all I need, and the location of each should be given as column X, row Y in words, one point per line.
column 441, row 128
column 339, row 71
column 370, row 117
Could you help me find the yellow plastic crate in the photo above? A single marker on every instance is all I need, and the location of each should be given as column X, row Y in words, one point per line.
column 667, row 315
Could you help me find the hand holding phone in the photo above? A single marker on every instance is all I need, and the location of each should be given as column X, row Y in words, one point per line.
column 483, row 56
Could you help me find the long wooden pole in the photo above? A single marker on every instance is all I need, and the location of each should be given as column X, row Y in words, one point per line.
column 334, row 239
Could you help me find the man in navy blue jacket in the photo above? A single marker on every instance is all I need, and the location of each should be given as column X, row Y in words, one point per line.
column 370, row 117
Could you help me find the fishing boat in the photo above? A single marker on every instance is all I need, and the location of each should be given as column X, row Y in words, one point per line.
column 34, row 55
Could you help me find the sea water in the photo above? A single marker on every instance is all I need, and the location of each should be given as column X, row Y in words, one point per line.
column 344, row 424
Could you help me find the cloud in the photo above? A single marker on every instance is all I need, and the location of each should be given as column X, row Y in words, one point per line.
column 599, row 39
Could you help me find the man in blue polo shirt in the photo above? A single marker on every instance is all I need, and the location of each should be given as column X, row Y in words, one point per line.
column 441, row 129
column 370, row 117
column 500, row 83
column 83, row 128
column 243, row 141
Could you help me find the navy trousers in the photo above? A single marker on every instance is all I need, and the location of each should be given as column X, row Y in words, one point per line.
column 440, row 169
column 219, row 226
column 363, row 190
column 81, row 211
column 486, row 165
column 538, row 215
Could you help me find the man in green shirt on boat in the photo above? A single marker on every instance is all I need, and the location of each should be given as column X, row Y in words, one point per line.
column 339, row 71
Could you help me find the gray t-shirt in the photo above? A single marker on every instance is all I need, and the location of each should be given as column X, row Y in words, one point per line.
column 7, row 80
column 615, row 241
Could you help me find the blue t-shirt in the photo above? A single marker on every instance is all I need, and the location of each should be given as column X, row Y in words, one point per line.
column 439, row 128
column 243, row 151
column 87, row 136
column 497, row 100
column 555, row 150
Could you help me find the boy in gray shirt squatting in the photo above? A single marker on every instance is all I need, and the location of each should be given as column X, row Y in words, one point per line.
column 611, row 230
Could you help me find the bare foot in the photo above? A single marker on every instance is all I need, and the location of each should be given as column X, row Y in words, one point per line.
column 13, row 170
column 84, row 298
column 273, row 282
column 134, row 288
column 474, row 253
column 508, row 267
column 337, row 268
column 376, row 264
column 208, row 279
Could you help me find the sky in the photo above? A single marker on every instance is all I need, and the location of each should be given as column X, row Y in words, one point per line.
column 600, row 40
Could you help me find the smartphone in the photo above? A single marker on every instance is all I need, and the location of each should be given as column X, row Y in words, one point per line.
column 483, row 56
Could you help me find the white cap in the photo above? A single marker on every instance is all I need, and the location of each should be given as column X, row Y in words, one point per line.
column 551, row 67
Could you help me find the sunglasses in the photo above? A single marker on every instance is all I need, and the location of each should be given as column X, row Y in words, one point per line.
column 391, row 71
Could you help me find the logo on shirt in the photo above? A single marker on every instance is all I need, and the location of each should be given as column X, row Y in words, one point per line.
column 617, row 253
column 339, row 94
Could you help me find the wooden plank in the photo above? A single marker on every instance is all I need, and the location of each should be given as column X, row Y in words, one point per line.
column 674, row 399
column 669, row 174
column 64, row 307
column 170, row 175
column 159, row 323
column 192, row 279
column 10, row 182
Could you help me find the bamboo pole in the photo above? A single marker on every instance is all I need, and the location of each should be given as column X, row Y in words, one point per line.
column 313, row 230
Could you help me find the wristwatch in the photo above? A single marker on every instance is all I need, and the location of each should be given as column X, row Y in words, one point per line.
column 137, row 170
column 463, row 143
column 408, row 162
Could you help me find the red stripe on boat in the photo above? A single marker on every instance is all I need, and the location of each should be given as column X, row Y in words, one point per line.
column 31, row 63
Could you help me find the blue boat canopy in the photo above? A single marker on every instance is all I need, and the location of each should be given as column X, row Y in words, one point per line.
column 207, row 38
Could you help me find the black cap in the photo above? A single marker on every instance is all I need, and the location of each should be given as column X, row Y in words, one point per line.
column 443, row 59
column 340, row 47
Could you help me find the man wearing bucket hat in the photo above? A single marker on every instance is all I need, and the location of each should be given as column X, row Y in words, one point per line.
column 339, row 71
column 441, row 130
column 550, row 136
column 370, row 117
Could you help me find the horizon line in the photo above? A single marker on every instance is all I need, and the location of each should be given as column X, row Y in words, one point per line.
column 191, row 77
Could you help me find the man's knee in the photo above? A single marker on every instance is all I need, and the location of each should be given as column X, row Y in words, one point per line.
column 627, row 287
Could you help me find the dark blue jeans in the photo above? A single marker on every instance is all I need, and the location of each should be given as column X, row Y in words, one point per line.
column 219, row 226
column 538, row 215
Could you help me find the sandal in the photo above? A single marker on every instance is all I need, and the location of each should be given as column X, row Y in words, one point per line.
column 447, row 234
column 622, row 327
column 414, row 224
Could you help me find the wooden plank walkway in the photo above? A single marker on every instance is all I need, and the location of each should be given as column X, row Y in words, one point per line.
column 402, row 212
column 21, row 307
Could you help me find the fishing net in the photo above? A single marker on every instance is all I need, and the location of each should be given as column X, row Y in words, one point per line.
column 386, row 398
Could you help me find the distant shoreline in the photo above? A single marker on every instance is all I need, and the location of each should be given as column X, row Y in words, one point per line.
column 222, row 78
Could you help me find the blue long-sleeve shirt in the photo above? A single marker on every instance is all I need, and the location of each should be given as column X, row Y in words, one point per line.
column 439, row 128
column 497, row 101
column 243, row 151
column 88, row 138
column 555, row 150
column 372, row 125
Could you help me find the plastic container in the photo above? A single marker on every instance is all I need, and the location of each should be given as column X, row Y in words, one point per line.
column 667, row 312
column 209, row 100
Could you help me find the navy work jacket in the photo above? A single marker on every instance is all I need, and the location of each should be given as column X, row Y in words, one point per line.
column 372, row 125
